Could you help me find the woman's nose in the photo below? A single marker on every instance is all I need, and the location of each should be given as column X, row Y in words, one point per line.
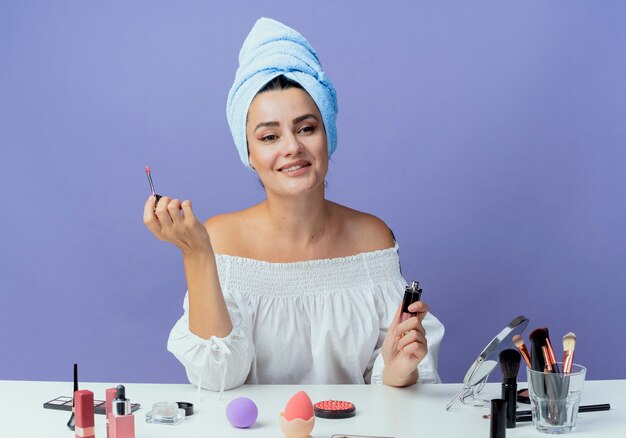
column 291, row 144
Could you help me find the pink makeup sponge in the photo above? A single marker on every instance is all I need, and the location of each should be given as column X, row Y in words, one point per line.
column 299, row 406
column 298, row 419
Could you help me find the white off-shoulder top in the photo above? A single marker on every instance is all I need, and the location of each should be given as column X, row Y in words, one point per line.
column 317, row 321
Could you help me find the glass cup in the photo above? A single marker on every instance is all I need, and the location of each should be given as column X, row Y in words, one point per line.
column 555, row 398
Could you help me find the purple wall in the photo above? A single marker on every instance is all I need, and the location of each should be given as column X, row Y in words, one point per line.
column 489, row 136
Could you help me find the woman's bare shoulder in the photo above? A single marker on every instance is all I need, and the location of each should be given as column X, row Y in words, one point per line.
column 365, row 231
column 226, row 231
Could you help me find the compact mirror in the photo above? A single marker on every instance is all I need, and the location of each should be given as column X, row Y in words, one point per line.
column 487, row 360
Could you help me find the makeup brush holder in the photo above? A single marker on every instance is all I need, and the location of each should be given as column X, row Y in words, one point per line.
column 555, row 398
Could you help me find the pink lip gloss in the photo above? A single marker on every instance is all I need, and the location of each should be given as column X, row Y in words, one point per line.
column 154, row 193
column 412, row 293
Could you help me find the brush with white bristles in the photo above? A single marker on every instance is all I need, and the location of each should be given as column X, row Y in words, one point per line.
column 519, row 343
column 569, row 345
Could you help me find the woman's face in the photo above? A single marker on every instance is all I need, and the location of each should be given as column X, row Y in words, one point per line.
column 287, row 141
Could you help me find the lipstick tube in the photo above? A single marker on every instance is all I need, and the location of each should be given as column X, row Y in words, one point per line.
column 84, row 414
column 412, row 293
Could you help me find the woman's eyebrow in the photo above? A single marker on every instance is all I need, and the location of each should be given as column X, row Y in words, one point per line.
column 294, row 121
column 303, row 117
column 264, row 124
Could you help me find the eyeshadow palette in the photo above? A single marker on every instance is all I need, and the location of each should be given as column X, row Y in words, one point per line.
column 64, row 403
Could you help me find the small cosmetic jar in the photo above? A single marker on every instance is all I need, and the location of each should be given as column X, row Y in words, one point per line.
column 165, row 413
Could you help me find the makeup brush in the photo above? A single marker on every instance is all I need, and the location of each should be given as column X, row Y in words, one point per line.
column 547, row 360
column 71, row 421
column 538, row 340
column 509, row 362
column 552, row 356
column 526, row 415
column 519, row 343
column 569, row 345
column 542, row 384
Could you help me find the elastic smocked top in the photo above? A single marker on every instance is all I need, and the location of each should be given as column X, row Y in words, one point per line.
column 256, row 277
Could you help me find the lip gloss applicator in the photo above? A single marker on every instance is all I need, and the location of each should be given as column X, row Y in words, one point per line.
column 152, row 185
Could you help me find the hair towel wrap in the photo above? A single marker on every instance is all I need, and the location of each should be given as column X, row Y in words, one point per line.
column 272, row 49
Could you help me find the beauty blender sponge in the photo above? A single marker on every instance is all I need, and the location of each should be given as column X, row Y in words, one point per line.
column 242, row 412
column 298, row 419
column 299, row 406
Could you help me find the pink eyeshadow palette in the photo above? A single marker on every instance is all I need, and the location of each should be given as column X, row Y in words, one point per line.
column 334, row 409
column 64, row 403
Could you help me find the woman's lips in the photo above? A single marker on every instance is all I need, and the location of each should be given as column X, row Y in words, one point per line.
column 295, row 168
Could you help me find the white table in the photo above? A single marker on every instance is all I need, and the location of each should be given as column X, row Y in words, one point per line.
column 417, row 411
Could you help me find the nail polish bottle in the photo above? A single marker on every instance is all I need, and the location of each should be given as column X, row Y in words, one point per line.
column 122, row 421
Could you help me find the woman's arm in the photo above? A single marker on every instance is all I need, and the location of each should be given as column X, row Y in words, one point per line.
column 215, row 363
column 175, row 222
column 212, row 339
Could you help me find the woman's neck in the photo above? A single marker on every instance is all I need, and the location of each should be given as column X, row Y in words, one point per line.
column 299, row 221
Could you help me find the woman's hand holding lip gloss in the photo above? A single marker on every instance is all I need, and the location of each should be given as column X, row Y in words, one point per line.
column 174, row 221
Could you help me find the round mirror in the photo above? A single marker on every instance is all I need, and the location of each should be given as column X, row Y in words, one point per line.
column 487, row 360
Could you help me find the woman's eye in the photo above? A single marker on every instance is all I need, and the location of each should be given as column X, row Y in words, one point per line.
column 269, row 137
column 307, row 129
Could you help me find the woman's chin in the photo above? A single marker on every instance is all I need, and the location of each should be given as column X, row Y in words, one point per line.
column 297, row 188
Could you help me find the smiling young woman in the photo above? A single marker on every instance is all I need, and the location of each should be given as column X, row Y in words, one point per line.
column 296, row 289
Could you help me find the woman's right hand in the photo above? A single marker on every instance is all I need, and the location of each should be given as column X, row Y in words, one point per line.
column 174, row 222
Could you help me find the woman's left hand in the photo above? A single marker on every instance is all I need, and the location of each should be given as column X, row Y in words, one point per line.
column 405, row 346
